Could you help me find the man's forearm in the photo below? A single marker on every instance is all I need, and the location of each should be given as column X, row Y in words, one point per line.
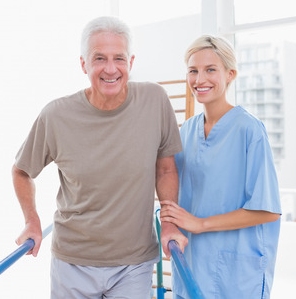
column 24, row 187
column 167, row 184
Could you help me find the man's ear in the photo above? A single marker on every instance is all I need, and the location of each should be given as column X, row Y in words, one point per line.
column 82, row 63
column 131, row 62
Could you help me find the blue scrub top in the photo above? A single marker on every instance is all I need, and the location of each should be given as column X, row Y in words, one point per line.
column 230, row 169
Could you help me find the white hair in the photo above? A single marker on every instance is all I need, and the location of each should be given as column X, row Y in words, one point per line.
column 104, row 24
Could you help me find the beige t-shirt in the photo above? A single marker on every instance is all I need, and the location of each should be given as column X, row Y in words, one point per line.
column 106, row 163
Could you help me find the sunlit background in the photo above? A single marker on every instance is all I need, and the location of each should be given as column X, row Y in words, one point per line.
column 39, row 61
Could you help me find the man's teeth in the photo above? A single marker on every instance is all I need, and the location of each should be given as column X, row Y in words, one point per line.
column 110, row 80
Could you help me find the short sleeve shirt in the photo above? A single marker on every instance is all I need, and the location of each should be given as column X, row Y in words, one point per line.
column 106, row 163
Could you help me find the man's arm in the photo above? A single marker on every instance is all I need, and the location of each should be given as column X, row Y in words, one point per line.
column 24, row 187
column 167, row 186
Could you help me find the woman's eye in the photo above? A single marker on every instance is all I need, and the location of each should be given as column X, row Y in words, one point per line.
column 192, row 71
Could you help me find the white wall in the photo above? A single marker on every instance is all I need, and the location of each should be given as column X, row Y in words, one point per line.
column 160, row 48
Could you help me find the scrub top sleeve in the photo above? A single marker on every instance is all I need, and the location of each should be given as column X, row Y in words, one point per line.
column 262, row 188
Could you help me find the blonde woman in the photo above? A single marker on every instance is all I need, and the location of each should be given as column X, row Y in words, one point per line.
column 229, row 206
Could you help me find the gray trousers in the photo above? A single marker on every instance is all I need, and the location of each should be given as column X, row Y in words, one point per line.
column 81, row 282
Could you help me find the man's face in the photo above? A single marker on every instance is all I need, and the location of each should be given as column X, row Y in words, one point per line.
column 107, row 64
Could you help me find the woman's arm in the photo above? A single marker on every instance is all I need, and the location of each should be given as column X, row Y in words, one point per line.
column 237, row 219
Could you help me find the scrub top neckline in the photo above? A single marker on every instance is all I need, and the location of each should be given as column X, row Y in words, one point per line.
column 218, row 125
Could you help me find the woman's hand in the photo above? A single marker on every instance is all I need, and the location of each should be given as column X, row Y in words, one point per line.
column 171, row 212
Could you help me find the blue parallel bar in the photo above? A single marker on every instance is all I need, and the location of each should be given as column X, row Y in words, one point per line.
column 20, row 251
column 161, row 290
column 184, row 271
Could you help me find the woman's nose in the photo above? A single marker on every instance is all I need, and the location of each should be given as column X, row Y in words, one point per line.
column 200, row 77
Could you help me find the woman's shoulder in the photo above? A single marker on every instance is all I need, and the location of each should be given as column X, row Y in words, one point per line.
column 249, row 118
column 246, row 116
column 249, row 123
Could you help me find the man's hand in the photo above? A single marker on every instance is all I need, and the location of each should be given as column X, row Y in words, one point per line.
column 33, row 231
column 170, row 232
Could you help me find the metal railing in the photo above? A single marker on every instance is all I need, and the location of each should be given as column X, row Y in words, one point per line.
column 178, row 257
column 184, row 271
column 182, row 267
column 20, row 251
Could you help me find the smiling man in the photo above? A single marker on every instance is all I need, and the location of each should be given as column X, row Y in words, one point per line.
column 113, row 144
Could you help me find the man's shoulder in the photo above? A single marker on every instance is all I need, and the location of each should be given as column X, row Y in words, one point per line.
column 64, row 103
column 145, row 85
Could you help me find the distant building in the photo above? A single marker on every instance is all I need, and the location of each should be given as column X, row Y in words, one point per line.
column 259, row 89
column 266, row 87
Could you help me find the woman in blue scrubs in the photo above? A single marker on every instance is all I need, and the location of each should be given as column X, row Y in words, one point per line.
column 229, row 205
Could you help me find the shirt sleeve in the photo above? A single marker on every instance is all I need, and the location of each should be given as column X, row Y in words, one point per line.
column 262, row 189
column 170, row 135
column 34, row 154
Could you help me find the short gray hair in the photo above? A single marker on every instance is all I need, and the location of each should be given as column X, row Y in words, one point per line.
column 104, row 24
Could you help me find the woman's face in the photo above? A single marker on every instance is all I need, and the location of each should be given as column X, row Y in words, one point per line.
column 207, row 76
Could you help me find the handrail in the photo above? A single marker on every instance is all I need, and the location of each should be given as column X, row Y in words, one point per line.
column 183, row 269
column 161, row 290
column 177, row 255
column 20, row 251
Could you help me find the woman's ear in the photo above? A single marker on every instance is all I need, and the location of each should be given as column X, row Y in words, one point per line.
column 231, row 76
